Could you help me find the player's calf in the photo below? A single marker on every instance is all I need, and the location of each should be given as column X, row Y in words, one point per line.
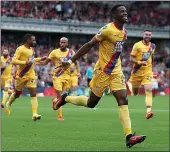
column 93, row 100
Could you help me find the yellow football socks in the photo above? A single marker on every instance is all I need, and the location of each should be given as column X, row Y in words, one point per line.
column 125, row 119
column 148, row 100
column 59, row 112
column 34, row 103
column 77, row 100
column 5, row 97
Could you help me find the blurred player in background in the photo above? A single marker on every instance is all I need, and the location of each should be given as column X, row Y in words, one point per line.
column 89, row 73
column 107, row 71
column 6, row 76
column 25, row 75
column 75, row 74
column 142, row 58
column 60, row 83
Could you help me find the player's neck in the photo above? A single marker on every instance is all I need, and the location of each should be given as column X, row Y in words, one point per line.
column 118, row 25
column 63, row 50
column 145, row 43
column 27, row 46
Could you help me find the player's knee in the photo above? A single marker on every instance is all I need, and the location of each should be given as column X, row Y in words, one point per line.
column 33, row 94
column 148, row 90
column 123, row 101
column 16, row 95
column 135, row 93
column 92, row 103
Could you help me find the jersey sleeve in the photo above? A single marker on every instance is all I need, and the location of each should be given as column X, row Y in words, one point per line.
column 15, row 59
column 134, row 50
column 102, row 34
column 51, row 55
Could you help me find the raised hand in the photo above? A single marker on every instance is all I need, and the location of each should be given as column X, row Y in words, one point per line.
column 62, row 67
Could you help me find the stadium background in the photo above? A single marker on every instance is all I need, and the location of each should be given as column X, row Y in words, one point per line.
column 79, row 21
column 84, row 129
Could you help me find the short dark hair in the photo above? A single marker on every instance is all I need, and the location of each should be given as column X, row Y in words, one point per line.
column 147, row 30
column 113, row 10
column 27, row 37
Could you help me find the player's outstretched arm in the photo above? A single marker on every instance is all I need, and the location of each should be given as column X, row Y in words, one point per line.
column 39, row 60
column 84, row 49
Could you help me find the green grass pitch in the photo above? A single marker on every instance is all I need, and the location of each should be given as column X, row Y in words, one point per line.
column 84, row 129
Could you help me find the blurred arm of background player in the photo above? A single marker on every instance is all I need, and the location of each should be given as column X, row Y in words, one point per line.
column 132, row 58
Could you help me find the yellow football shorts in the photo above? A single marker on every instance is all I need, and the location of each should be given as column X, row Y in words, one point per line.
column 100, row 81
column 141, row 80
column 20, row 83
column 61, row 84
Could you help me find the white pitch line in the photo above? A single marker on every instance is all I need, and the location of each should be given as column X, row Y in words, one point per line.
column 104, row 109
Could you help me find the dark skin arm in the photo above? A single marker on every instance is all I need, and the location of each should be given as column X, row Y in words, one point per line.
column 82, row 51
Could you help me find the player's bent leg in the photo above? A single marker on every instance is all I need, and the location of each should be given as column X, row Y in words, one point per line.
column 131, row 139
column 12, row 98
column 59, row 111
column 93, row 100
column 34, row 103
column 90, row 102
column 148, row 100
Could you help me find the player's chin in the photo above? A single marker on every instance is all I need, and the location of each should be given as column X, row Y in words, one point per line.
column 125, row 20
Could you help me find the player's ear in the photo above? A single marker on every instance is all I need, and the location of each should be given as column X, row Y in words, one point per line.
column 113, row 16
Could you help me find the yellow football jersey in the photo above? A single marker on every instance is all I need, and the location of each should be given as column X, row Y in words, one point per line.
column 74, row 70
column 6, row 63
column 143, row 52
column 22, row 55
column 110, row 38
column 57, row 56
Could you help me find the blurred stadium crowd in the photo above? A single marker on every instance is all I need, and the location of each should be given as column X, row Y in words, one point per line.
column 161, row 61
column 157, row 13
column 86, row 12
